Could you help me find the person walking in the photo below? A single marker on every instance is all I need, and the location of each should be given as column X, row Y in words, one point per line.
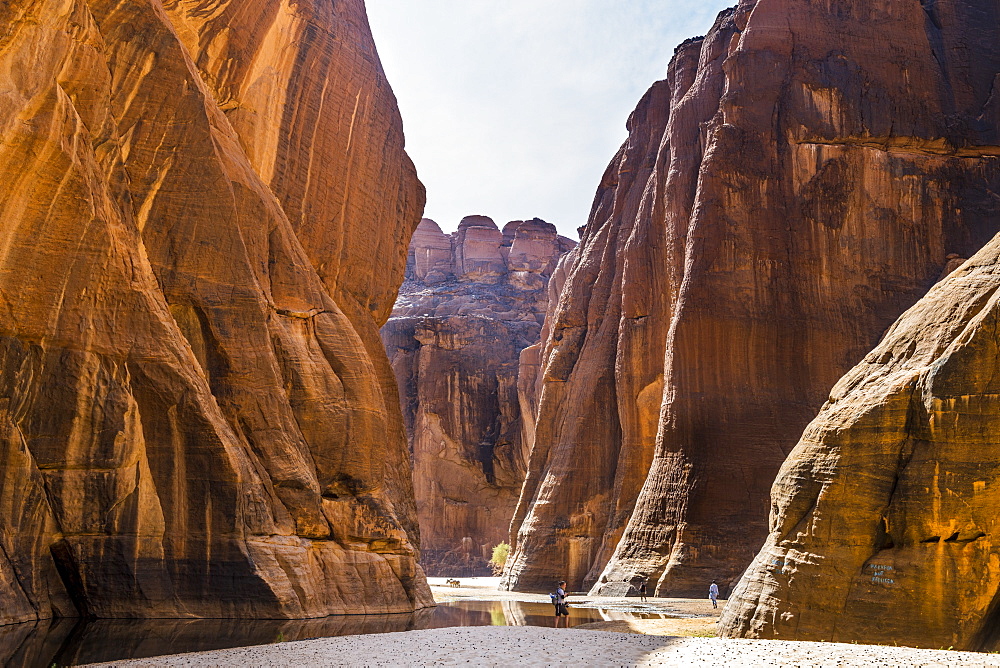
column 559, row 599
column 642, row 590
column 713, row 593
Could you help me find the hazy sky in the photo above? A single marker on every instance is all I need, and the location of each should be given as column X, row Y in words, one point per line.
column 513, row 108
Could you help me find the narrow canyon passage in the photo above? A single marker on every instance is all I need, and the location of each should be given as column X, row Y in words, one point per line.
column 242, row 377
column 463, row 341
column 797, row 181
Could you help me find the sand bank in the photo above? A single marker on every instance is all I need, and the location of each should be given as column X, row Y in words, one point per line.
column 702, row 627
column 535, row 646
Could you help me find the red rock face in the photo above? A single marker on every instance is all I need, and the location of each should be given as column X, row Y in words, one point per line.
column 205, row 212
column 886, row 509
column 798, row 180
column 471, row 307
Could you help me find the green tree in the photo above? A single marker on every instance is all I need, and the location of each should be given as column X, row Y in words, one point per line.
column 499, row 558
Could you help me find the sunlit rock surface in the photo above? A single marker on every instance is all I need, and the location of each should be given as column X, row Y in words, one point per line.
column 204, row 217
column 470, row 310
column 885, row 514
column 801, row 177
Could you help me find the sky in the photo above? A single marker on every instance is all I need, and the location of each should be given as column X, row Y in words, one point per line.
column 514, row 108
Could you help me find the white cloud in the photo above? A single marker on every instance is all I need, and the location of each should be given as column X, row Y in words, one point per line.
column 513, row 109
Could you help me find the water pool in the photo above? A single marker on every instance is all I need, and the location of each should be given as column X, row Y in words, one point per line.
column 66, row 642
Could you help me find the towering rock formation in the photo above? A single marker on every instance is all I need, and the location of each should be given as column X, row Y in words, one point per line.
column 472, row 304
column 885, row 516
column 799, row 179
column 204, row 215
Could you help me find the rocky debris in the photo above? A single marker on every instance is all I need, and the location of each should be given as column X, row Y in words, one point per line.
column 204, row 218
column 797, row 181
column 471, row 303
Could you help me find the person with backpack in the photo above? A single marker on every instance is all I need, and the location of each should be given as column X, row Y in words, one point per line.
column 559, row 600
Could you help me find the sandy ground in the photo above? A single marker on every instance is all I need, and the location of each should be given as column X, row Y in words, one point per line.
column 535, row 646
column 697, row 627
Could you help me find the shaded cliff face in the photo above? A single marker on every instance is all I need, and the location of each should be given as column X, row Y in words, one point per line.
column 204, row 219
column 887, row 508
column 798, row 180
column 472, row 304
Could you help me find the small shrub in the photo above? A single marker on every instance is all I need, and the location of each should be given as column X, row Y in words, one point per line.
column 499, row 558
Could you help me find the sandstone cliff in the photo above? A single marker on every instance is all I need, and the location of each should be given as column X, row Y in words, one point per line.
column 885, row 513
column 472, row 304
column 796, row 182
column 204, row 216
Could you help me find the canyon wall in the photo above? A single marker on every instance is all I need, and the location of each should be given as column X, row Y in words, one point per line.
column 884, row 514
column 801, row 177
column 472, row 304
column 204, row 218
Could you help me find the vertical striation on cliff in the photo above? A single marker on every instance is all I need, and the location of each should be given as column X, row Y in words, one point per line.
column 884, row 516
column 801, row 177
column 204, row 218
column 471, row 308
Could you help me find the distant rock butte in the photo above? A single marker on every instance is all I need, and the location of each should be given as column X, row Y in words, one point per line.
column 470, row 310
column 797, row 181
column 204, row 215
column 885, row 515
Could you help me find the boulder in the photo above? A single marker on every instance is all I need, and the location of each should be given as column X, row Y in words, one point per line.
column 884, row 515
column 477, row 251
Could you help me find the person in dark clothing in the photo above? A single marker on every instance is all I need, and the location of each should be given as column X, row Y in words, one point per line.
column 642, row 590
column 560, row 603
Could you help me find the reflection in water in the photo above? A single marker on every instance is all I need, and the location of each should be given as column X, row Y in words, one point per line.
column 67, row 642
column 514, row 613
